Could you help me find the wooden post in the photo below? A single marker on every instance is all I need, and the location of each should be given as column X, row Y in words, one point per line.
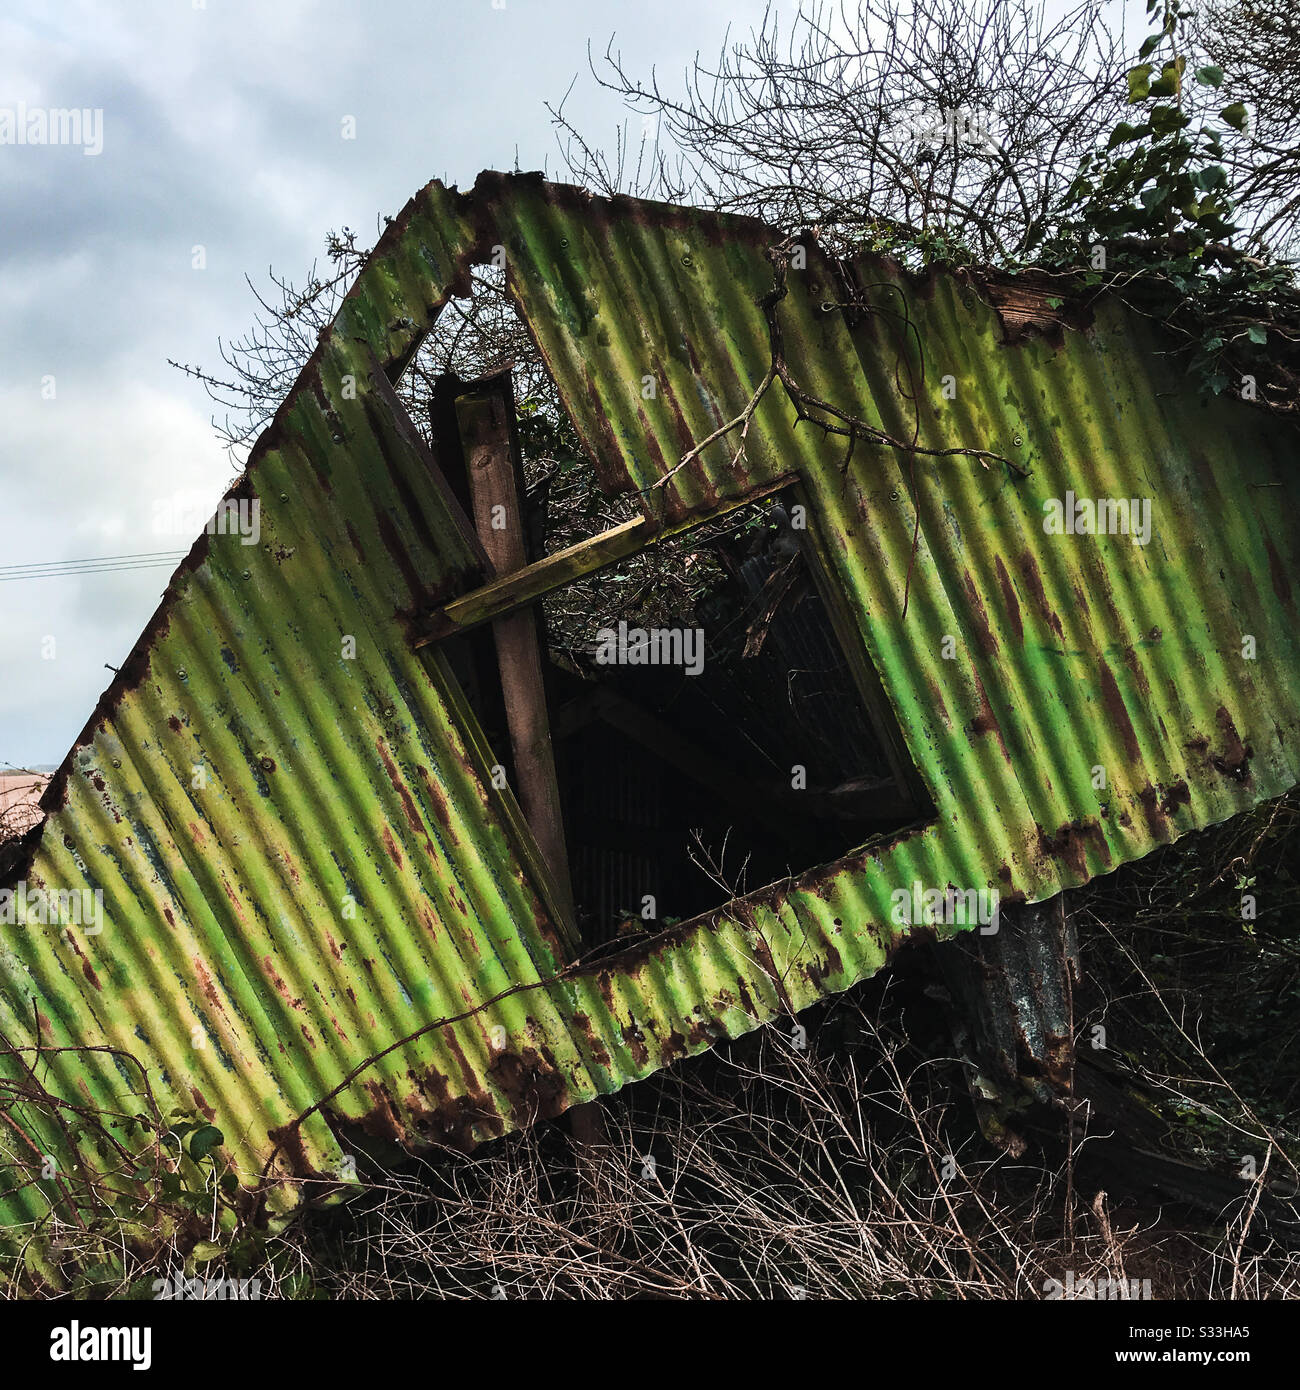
column 486, row 416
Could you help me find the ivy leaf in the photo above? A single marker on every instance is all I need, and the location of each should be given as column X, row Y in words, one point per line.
column 207, row 1139
column 1210, row 76
column 1235, row 115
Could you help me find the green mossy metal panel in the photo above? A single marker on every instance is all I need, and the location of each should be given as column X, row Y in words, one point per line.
column 303, row 861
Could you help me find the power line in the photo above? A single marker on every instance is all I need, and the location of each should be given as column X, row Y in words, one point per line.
column 96, row 559
column 94, row 569
column 101, row 564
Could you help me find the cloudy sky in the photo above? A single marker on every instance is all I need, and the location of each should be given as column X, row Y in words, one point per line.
column 222, row 128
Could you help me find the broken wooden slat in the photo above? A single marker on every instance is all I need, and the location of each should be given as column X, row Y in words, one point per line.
column 510, row 592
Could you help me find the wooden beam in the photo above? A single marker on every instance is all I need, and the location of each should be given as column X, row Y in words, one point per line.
column 509, row 592
column 486, row 417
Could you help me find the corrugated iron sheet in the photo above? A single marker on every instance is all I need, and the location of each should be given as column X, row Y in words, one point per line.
column 347, row 877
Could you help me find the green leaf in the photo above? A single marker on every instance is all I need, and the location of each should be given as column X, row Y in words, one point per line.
column 1139, row 83
column 1235, row 115
column 1210, row 76
column 1170, row 80
column 1257, row 333
column 1165, row 119
column 1149, row 45
column 207, row 1139
column 1124, row 132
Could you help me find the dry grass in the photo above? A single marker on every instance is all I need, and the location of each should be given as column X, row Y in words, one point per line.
column 848, row 1169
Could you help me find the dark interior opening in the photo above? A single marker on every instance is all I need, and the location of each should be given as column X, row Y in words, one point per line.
column 691, row 789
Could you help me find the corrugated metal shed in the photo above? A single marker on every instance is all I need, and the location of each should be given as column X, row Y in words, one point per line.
column 317, row 905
